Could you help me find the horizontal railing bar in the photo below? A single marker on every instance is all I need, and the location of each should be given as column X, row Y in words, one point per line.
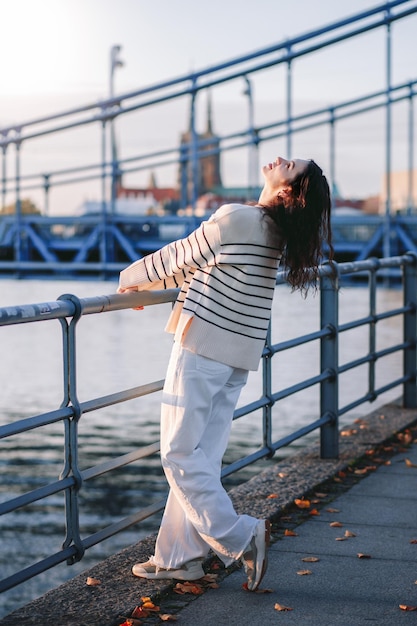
column 281, row 443
column 364, row 321
column 120, row 461
column 36, row 494
column 371, row 396
column 29, row 423
column 251, row 407
column 371, row 358
column 322, row 421
column 37, row 568
column 121, row 396
column 309, row 382
column 245, row 461
column 123, row 524
column 298, row 341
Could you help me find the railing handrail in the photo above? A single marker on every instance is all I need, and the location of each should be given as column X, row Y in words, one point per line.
column 68, row 309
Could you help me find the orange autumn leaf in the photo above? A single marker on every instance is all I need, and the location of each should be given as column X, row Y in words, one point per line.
column 281, row 607
column 272, row 496
column 341, row 538
column 92, row 582
column 310, row 559
column 363, row 556
column 405, row 437
column 282, row 474
column 188, row 587
column 304, row 572
column 314, row 512
column 413, row 541
column 348, row 432
column 167, row 617
column 290, row 533
column 409, row 463
column 139, row 611
column 349, row 533
column 302, row 504
column 406, row 607
column 336, row 524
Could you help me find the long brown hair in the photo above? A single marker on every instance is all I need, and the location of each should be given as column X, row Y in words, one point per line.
column 303, row 227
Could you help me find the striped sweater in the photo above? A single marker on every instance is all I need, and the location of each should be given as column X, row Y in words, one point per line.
column 227, row 272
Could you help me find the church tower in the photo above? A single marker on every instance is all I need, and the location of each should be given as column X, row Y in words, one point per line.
column 208, row 166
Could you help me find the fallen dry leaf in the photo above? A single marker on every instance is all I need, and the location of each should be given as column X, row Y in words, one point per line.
column 405, row 437
column 301, row 503
column 406, row 607
column 349, row 533
column 363, row 556
column 290, row 533
column 320, row 495
column 167, row 617
column 304, row 572
column 282, row 474
column 281, row 607
column 413, row 541
column 314, row 512
column 348, row 432
column 92, row 582
column 409, row 463
column 188, row 587
column 333, row 510
column 272, row 496
column 336, row 524
column 341, row 538
column 310, row 559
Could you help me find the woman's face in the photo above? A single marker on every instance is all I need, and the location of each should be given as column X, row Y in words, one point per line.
column 281, row 173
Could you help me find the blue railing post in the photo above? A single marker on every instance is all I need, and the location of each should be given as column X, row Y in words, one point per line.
column 329, row 363
column 71, row 468
column 410, row 332
column 267, row 393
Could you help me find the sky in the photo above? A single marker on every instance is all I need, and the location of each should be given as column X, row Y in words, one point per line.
column 55, row 55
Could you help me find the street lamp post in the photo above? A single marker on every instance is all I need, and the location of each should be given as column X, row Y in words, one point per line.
column 115, row 62
column 253, row 145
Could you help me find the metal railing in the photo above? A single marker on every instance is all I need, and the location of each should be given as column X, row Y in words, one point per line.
column 69, row 309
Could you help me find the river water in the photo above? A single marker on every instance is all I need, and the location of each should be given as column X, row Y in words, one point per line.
column 119, row 350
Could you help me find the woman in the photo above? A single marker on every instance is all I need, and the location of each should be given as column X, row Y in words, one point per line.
column 227, row 271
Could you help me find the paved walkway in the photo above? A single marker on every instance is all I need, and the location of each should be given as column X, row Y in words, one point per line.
column 342, row 588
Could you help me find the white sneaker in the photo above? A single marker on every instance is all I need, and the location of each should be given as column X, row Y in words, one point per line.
column 255, row 557
column 188, row 571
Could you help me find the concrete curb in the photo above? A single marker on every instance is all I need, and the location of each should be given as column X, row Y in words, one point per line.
column 77, row 604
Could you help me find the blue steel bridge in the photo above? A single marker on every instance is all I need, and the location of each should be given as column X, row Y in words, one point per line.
column 100, row 244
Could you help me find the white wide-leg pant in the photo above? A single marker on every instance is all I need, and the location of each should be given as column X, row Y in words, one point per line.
column 198, row 402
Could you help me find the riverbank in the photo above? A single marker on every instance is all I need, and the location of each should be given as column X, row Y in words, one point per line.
column 270, row 494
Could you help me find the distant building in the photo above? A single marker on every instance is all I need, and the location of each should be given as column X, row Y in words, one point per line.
column 403, row 192
column 208, row 170
column 156, row 199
